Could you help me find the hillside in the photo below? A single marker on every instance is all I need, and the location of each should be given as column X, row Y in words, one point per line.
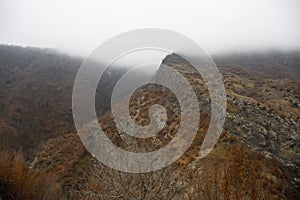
column 255, row 133
column 36, row 96
column 263, row 111
column 257, row 156
column 36, row 86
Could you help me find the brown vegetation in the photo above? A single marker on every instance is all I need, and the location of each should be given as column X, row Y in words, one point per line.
column 18, row 182
column 107, row 183
column 263, row 113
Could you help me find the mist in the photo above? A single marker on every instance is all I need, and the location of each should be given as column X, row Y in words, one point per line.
column 78, row 27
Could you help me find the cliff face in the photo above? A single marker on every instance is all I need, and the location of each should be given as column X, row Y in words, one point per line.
column 263, row 109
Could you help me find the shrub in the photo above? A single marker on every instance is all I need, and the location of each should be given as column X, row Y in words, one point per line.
column 17, row 181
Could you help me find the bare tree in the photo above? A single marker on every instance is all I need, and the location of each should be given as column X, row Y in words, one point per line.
column 107, row 183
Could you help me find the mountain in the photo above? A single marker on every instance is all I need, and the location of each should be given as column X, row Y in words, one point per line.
column 36, row 96
column 36, row 88
column 256, row 157
column 272, row 64
column 263, row 109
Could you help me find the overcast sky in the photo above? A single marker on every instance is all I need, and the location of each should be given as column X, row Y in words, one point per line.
column 80, row 26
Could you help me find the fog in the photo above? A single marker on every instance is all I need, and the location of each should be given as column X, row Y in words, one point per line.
column 78, row 27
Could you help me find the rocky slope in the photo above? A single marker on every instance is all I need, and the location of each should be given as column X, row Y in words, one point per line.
column 262, row 121
column 259, row 143
column 263, row 110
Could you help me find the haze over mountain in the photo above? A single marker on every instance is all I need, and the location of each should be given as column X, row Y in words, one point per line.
column 78, row 27
column 255, row 45
column 262, row 123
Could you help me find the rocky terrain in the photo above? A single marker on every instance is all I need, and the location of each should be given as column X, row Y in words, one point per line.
column 262, row 109
column 256, row 157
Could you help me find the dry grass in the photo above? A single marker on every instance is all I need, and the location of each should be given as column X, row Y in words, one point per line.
column 230, row 172
column 17, row 181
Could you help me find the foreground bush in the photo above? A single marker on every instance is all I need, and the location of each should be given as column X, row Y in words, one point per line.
column 17, row 181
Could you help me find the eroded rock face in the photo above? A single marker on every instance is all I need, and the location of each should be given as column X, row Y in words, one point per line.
column 268, row 133
column 262, row 110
